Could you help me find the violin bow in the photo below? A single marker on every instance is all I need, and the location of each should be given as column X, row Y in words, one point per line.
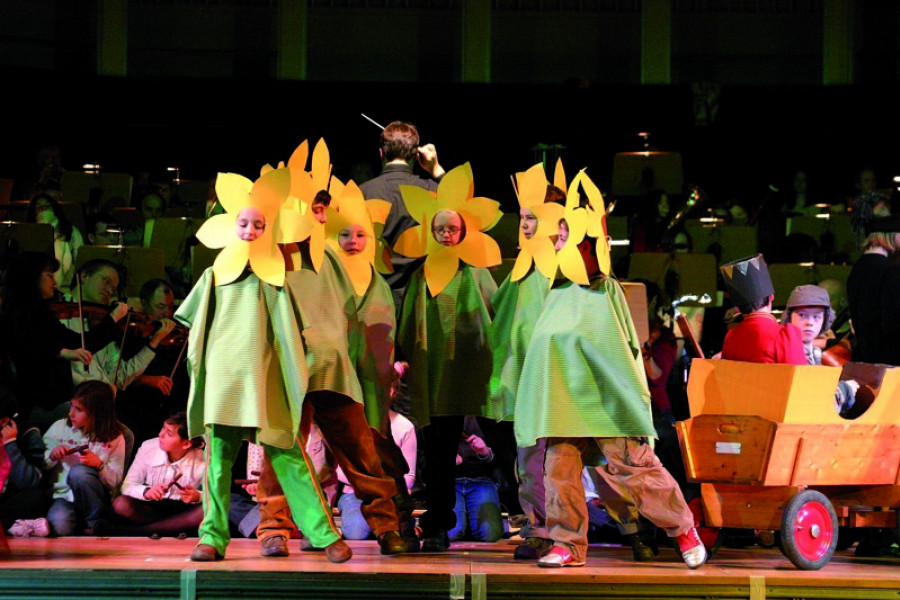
column 180, row 356
column 121, row 348
column 80, row 313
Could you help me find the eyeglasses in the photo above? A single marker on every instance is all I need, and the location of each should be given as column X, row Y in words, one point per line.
column 446, row 230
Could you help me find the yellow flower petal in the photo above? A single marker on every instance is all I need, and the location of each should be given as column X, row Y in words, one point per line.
column 544, row 255
column 299, row 157
column 292, row 226
column 270, row 191
column 321, row 165
column 218, row 231
column 559, row 176
column 378, row 210
column 267, row 262
column 481, row 213
column 456, row 186
column 532, row 186
column 231, row 262
column 522, row 265
column 572, row 264
column 421, row 203
column 413, row 242
column 440, row 267
column 317, row 246
column 478, row 250
column 359, row 269
column 577, row 221
column 233, row 191
column 548, row 216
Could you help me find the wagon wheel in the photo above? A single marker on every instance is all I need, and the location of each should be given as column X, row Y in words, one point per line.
column 710, row 536
column 809, row 530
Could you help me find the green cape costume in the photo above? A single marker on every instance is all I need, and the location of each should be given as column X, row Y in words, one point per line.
column 583, row 375
column 444, row 338
column 517, row 307
column 245, row 358
column 372, row 329
column 325, row 300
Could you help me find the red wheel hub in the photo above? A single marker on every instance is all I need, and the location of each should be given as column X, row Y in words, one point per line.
column 812, row 531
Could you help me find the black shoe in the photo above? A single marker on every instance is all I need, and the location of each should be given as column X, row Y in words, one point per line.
column 391, row 542
column 532, row 548
column 643, row 551
column 435, row 541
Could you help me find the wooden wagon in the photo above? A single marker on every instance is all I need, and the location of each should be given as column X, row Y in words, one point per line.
column 771, row 452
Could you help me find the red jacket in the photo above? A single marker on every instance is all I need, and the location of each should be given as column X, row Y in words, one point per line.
column 759, row 338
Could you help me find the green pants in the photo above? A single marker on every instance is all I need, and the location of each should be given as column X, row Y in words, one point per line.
column 294, row 470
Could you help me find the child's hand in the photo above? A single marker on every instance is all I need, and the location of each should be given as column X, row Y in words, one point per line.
column 59, row 452
column 189, row 495
column 90, row 459
column 156, row 492
column 9, row 432
column 251, row 488
column 477, row 445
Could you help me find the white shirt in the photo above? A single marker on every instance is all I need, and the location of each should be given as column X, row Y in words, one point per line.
column 151, row 466
column 111, row 454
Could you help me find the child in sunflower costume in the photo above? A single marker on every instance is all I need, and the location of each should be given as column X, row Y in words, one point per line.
column 325, row 301
column 583, row 390
column 517, row 305
column 443, row 330
column 246, row 359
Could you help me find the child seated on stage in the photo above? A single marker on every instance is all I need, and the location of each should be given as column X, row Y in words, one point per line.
column 478, row 512
column 759, row 337
column 23, row 503
column 159, row 495
column 85, row 457
column 809, row 310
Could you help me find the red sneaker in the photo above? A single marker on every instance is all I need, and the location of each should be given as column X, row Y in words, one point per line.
column 692, row 549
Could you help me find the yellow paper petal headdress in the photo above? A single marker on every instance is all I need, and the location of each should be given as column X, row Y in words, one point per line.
column 305, row 185
column 348, row 208
column 531, row 188
column 267, row 194
column 455, row 192
column 584, row 221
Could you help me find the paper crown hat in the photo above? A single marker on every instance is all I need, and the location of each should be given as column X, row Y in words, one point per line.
column 747, row 279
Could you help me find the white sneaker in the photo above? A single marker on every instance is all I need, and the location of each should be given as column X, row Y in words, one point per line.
column 692, row 549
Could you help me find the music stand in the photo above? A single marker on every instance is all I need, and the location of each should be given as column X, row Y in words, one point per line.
column 171, row 235
column 76, row 186
column 636, row 173
column 136, row 265
column 26, row 237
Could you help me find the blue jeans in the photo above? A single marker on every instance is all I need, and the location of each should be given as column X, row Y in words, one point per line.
column 353, row 524
column 477, row 510
column 91, row 502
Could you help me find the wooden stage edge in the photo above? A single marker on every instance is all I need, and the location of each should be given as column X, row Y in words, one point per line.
column 143, row 568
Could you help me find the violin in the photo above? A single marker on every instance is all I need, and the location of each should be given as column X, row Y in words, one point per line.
column 839, row 353
column 143, row 326
column 139, row 325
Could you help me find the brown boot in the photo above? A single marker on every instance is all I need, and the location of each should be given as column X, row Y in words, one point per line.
column 338, row 552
